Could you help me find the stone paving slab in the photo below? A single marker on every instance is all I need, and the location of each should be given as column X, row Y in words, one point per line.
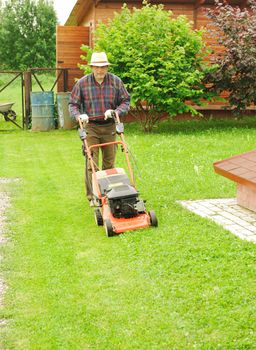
column 227, row 213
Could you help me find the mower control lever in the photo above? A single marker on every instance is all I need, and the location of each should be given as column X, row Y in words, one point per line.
column 120, row 128
column 82, row 134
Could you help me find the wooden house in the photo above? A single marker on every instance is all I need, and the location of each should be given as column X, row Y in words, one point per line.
column 85, row 15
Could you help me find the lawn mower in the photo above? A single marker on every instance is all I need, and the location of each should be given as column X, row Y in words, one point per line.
column 119, row 207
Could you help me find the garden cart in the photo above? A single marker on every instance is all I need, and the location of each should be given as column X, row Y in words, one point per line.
column 119, row 207
column 8, row 113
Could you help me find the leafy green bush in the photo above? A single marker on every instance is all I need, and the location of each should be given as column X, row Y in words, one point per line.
column 159, row 58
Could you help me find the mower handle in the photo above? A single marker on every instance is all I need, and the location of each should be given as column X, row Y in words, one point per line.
column 122, row 142
column 96, row 145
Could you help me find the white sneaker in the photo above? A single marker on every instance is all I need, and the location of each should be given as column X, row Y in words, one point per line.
column 92, row 204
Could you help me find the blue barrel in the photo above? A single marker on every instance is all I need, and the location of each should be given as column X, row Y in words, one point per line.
column 42, row 105
column 64, row 119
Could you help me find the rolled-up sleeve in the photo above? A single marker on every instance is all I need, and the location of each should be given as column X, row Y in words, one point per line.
column 75, row 103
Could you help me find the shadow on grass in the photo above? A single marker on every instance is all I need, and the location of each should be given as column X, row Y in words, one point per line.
column 196, row 126
column 187, row 127
column 8, row 131
column 6, row 127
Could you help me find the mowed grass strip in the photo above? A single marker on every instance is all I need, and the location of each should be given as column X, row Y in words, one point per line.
column 186, row 284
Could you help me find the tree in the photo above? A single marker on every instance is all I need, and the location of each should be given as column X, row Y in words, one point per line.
column 235, row 29
column 27, row 34
column 159, row 58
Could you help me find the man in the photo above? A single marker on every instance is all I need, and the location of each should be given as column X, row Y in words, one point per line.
column 93, row 99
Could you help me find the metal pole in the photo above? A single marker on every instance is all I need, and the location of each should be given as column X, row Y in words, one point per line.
column 65, row 74
column 28, row 89
column 22, row 99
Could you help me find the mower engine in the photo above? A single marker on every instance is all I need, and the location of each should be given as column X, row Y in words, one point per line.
column 122, row 197
column 124, row 202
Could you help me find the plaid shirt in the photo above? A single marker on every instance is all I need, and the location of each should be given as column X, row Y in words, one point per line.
column 94, row 99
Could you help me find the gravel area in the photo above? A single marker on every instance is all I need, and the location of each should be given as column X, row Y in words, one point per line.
column 4, row 205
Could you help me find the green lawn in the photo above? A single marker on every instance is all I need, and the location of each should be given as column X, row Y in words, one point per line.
column 187, row 284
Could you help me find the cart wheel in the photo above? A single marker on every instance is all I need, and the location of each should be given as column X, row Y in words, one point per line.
column 153, row 218
column 10, row 115
column 109, row 228
column 98, row 217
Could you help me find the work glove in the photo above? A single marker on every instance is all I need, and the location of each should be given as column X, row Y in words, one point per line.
column 109, row 114
column 84, row 118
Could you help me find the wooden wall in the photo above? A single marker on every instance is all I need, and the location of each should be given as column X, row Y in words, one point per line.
column 89, row 18
column 105, row 10
column 68, row 52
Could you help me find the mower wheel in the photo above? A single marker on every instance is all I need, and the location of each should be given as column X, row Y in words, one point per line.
column 109, row 228
column 98, row 217
column 153, row 218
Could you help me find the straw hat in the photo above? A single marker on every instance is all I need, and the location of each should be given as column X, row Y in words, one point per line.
column 99, row 59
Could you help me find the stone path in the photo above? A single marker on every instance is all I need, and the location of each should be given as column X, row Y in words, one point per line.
column 227, row 213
